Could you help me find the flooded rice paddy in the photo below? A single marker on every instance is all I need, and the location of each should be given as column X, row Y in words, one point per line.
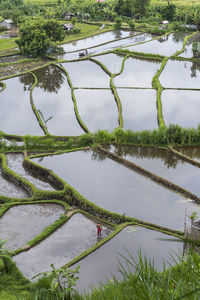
column 167, row 165
column 137, row 73
column 181, row 74
column 71, row 239
column 104, row 182
column 138, row 109
column 192, row 152
column 165, row 45
column 154, row 245
column 97, row 109
column 22, row 223
column 112, row 62
column 15, row 106
column 90, row 74
column 181, row 107
column 96, row 40
column 119, row 189
column 9, row 189
column 52, row 98
column 15, row 163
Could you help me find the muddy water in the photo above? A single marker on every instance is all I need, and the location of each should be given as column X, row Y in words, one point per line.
column 167, row 165
column 97, row 109
column 96, row 40
column 138, row 109
column 87, row 74
column 181, row 107
column 181, row 74
column 52, row 98
column 112, row 62
column 70, row 240
column 154, row 245
column 119, row 189
column 14, row 162
column 23, row 222
column 166, row 45
column 11, row 190
column 15, row 105
column 137, row 73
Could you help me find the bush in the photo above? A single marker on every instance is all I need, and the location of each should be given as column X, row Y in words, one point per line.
column 131, row 24
column 118, row 23
column 37, row 38
column 74, row 20
column 73, row 31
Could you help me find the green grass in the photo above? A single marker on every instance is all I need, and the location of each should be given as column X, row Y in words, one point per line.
column 6, row 44
column 177, row 2
column 153, row 2
column 179, row 282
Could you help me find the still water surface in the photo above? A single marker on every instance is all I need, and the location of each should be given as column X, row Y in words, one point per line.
column 23, row 222
column 52, row 98
column 119, row 189
column 181, row 107
column 97, row 109
column 15, row 105
column 103, row 263
column 71, row 239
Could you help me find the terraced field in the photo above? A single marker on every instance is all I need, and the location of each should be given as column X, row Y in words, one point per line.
column 141, row 195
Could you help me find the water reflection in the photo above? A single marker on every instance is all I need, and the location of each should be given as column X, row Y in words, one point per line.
column 103, row 264
column 138, row 109
column 52, row 98
column 50, row 78
column 15, row 162
column 27, row 80
column 23, row 222
column 119, row 189
column 181, row 74
column 137, row 73
column 166, row 45
column 97, row 109
column 77, row 235
column 171, row 168
column 15, row 106
column 181, row 107
column 193, row 152
column 188, row 50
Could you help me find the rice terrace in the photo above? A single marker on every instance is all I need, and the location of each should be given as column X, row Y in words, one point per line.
column 99, row 150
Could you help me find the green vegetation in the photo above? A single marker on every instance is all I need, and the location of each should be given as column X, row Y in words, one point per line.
column 38, row 38
column 40, row 31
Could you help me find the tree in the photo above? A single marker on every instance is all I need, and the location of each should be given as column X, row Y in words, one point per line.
column 37, row 38
column 130, row 7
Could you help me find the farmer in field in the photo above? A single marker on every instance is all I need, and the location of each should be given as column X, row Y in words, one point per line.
column 99, row 229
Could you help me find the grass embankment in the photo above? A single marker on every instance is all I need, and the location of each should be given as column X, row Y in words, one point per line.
column 6, row 44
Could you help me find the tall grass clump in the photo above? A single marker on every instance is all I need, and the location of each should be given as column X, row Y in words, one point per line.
column 142, row 281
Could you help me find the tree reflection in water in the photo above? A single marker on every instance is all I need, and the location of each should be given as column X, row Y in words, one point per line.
column 50, row 78
column 27, row 80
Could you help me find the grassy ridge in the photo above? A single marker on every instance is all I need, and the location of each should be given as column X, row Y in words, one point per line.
column 7, row 44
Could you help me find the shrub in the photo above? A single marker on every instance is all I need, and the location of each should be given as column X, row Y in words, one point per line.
column 118, row 23
column 131, row 24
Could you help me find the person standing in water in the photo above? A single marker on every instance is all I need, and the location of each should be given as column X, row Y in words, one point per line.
column 99, row 229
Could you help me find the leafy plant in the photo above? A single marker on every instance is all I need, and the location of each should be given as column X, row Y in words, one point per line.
column 63, row 281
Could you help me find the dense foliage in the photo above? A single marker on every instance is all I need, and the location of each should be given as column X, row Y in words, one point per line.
column 37, row 38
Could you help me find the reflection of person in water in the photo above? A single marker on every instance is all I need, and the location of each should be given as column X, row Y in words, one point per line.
column 99, row 229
